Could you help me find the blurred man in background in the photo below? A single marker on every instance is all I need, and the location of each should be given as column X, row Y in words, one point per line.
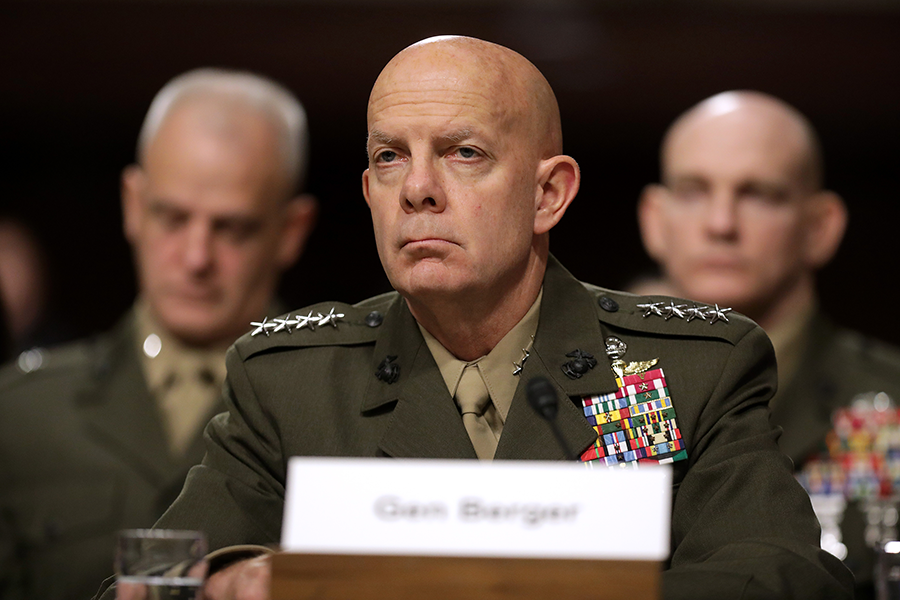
column 23, row 283
column 741, row 219
column 98, row 435
column 6, row 343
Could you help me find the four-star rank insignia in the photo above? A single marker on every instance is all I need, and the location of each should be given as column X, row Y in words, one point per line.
column 637, row 422
column 710, row 314
column 298, row 322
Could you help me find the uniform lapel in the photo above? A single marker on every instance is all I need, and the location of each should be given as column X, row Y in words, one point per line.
column 527, row 436
column 197, row 448
column 568, row 321
column 117, row 410
column 809, row 400
column 425, row 422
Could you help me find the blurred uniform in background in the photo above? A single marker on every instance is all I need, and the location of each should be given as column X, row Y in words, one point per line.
column 98, row 435
column 741, row 219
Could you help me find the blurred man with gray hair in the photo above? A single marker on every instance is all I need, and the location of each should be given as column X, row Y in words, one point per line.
column 100, row 434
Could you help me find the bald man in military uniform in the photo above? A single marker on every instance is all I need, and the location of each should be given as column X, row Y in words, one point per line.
column 742, row 218
column 465, row 179
column 98, row 435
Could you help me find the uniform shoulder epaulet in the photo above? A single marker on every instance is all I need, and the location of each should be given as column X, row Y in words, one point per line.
column 322, row 324
column 866, row 353
column 39, row 363
column 665, row 315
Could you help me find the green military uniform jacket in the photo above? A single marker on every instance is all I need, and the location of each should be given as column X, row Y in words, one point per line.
column 83, row 453
column 837, row 366
column 741, row 526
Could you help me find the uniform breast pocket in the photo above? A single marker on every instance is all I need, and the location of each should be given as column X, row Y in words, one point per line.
column 63, row 534
column 62, row 511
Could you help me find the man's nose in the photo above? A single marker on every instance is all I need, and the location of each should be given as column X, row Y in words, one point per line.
column 722, row 214
column 422, row 189
column 198, row 247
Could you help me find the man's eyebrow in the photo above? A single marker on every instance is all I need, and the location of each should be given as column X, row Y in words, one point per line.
column 458, row 136
column 162, row 203
column 379, row 136
column 686, row 178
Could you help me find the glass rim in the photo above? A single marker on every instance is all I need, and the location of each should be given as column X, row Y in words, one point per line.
column 162, row 534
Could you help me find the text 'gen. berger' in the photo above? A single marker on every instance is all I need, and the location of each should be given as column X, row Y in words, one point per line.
column 474, row 510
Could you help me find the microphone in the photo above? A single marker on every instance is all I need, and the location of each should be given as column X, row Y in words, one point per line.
column 542, row 398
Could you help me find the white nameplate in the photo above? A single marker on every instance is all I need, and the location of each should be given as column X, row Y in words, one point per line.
column 476, row 508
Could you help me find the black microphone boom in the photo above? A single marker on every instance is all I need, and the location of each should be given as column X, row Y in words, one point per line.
column 542, row 398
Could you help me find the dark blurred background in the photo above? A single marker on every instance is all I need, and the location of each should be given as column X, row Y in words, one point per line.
column 78, row 76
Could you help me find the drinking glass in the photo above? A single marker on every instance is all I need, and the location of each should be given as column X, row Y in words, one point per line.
column 887, row 570
column 160, row 564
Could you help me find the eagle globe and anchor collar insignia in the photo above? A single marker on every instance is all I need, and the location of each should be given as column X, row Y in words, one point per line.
column 636, row 423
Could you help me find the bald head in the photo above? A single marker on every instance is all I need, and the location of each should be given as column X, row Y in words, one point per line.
column 742, row 219
column 740, row 122
column 521, row 98
column 465, row 180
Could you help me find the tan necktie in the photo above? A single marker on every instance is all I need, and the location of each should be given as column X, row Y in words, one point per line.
column 187, row 402
column 473, row 399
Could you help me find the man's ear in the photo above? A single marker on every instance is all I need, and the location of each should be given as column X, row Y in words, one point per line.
column 300, row 215
column 827, row 223
column 650, row 220
column 365, row 186
column 133, row 183
column 558, row 181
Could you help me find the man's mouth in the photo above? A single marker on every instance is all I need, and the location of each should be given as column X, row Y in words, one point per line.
column 424, row 244
column 195, row 295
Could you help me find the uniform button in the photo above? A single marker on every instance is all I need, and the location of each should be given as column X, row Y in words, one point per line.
column 608, row 304
column 31, row 360
column 374, row 318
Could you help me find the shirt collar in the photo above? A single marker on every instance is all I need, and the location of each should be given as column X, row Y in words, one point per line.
column 497, row 366
column 163, row 355
column 790, row 338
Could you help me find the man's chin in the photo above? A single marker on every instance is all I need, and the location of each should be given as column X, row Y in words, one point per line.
column 430, row 280
column 203, row 335
column 733, row 297
column 196, row 325
column 722, row 291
